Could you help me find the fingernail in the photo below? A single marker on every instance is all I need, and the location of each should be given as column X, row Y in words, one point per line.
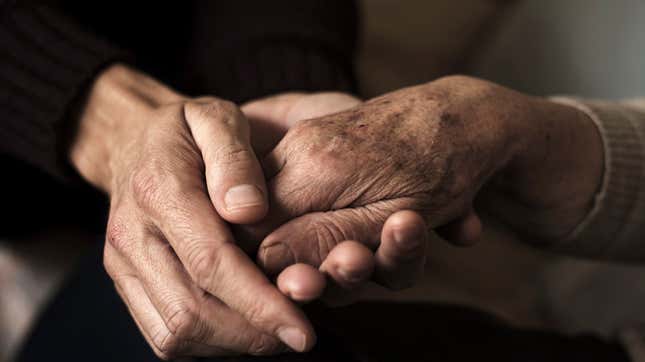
column 293, row 338
column 241, row 196
column 276, row 257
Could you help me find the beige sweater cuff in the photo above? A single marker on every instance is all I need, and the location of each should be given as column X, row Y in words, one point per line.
column 614, row 228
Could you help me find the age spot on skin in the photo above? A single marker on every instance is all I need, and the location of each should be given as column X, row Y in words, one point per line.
column 450, row 119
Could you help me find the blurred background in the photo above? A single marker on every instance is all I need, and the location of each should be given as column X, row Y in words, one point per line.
column 408, row 42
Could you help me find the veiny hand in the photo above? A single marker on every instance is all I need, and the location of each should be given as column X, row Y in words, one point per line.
column 399, row 260
column 430, row 148
column 175, row 170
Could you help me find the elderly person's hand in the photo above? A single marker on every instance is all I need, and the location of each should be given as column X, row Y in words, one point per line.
column 176, row 170
column 400, row 257
column 436, row 149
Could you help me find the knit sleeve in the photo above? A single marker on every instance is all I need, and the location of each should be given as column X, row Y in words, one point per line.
column 247, row 49
column 46, row 60
column 615, row 226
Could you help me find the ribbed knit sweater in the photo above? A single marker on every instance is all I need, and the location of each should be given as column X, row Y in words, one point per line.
column 614, row 228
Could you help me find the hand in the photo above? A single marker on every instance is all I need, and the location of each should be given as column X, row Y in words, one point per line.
column 175, row 170
column 430, row 148
column 400, row 257
column 347, row 273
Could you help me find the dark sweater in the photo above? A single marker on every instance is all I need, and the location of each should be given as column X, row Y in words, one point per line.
column 233, row 49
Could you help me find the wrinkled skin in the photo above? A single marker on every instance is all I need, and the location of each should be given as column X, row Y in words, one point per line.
column 397, row 263
column 429, row 148
column 167, row 162
column 337, row 184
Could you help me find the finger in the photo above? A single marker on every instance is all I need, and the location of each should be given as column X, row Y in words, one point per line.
column 301, row 282
column 146, row 316
column 349, row 265
column 154, row 331
column 310, row 237
column 464, row 231
column 205, row 248
column 400, row 258
column 348, row 268
column 189, row 314
column 234, row 176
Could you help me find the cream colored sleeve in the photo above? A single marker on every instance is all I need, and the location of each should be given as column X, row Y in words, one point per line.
column 614, row 228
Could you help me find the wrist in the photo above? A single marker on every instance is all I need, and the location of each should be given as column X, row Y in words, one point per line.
column 115, row 104
column 560, row 164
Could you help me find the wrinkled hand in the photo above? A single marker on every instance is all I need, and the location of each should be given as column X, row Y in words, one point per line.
column 175, row 170
column 430, row 148
column 399, row 260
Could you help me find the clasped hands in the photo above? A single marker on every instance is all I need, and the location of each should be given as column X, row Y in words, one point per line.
column 324, row 191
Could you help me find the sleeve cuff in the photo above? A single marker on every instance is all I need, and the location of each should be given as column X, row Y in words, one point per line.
column 611, row 228
column 46, row 62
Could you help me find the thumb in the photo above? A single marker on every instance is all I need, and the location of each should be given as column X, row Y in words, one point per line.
column 310, row 237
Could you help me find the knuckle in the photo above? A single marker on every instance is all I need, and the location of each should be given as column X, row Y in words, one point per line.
column 233, row 154
column 263, row 345
column 204, row 262
column 262, row 311
column 156, row 192
column 212, row 109
column 146, row 188
column 256, row 313
column 181, row 321
column 326, row 235
column 117, row 235
column 219, row 108
column 201, row 264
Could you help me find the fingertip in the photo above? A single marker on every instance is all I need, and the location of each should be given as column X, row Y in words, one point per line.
column 406, row 233
column 349, row 264
column 400, row 258
column 405, row 219
column 301, row 282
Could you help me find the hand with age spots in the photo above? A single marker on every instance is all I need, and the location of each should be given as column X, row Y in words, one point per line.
column 443, row 149
column 399, row 259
